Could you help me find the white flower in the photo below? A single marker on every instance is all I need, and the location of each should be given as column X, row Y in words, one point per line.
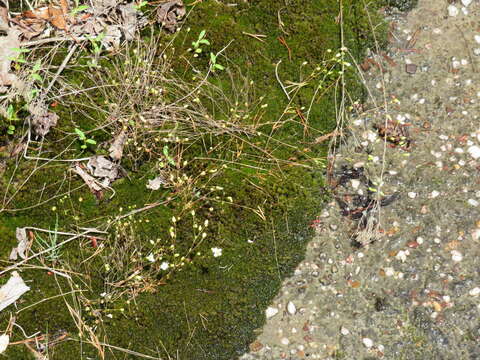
column 164, row 265
column 151, row 258
column 216, row 252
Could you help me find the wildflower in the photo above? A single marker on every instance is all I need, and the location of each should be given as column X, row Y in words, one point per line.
column 151, row 258
column 216, row 252
column 164, row 265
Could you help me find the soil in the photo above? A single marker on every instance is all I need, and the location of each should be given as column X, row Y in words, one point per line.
column 393, row 272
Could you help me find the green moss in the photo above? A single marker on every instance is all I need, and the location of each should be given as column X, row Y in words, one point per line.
column 209, row 309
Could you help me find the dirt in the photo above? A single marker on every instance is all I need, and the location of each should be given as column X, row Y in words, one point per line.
column 397, row 280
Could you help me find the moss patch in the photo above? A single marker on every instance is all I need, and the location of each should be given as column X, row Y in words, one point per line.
column 209, row 309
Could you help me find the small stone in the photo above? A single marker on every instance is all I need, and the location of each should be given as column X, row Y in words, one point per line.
column 355, row 183
column 412, row 195
column 255, row 346
column 402, row 255
column 411, row 68
column 474, row 151
column 434, row 194
column 291, row 308
column 344, row 331
column 473, row 202
column 466, row 2
column 452, row 10
column 477, row 38
column 389, row 271
column 285, row 341
column 456, row 255
column 476, row 234
column 271, row 312
column 474, row 291
column 367, row 342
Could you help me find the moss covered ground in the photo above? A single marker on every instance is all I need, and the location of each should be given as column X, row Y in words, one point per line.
column 210, row 308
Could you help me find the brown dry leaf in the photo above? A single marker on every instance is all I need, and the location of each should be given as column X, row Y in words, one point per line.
column 64, row 6
column 3, row 19
column 29, row 24
column 169, row 13
column 100, row 167
column 129, row 20
column 43, row 121
column 91, row 182
column 57, row 18
column 8, row 46
column 51, row 14
column 116, row 149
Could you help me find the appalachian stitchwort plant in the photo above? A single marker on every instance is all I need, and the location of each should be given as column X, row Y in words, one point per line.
column 85, row 141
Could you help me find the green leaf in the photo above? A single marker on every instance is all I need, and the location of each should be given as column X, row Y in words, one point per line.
column 213, row 58
column 219, row 67
column 36, row 77
column 91, row 141
column 204, row 41
column 198, row 51
column 83, row 146
column 80, row 133
column 202, row 35
column 37, row 66
column 20, row 50
column 78, row 9
column 165, row 150
column 10, row 112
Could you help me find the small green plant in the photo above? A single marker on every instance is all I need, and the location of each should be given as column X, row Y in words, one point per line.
column 84, row 139
column 213, row 63
column 11, row 117
column 78, row 9
column 167, row 156
column 140, row 5
column 20, row 58
column 197, row 45
column 97, row 48
column 50, row 243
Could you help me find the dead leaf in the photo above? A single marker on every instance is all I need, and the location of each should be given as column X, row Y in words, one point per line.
column 42, row 121
column 4, row 341
column 101, row 6
column 129, row 20
column 57, row 18
column 92, row 183
column 3, row 19
column 12, row 290
column 22, row 247
column 169, row 13
column 101, row 167
column 64, row 7
column 116, row 149
column 53, row 15
column 9, row 46
column 156, row 183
